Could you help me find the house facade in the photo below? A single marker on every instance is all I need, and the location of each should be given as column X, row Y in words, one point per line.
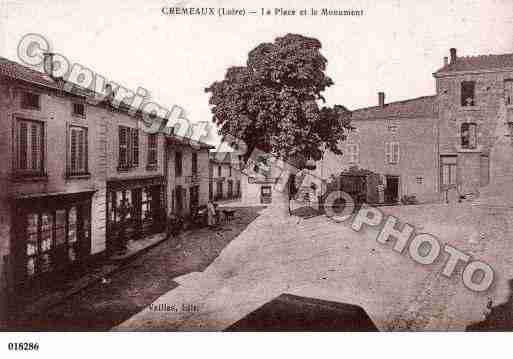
column 187, row 175
column 397, row 140
column 434, row 147
column 225, row 176
column 80, row 178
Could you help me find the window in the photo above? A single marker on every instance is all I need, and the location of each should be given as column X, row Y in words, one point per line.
column 30, row 100
column 353, row 153
column 468, row 93
column 128, row 147
column 218, row 171
column 178, row 164
column 419, row 180
column 194, row 163
column 77, row 151
column 448, row 170
column 392, row 152
column 152, row 149
column 146, row 201
column 30, row 147
column 468, row 135
column 237, row 188
column 79, row 109
column 508, row 92
column 53, row 236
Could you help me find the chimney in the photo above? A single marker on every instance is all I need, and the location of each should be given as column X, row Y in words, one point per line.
column 453, row 55
column 48, row 65
column 446, row 61
column 381, row 99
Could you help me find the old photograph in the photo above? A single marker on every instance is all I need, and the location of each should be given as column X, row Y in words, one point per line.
column 228, row 166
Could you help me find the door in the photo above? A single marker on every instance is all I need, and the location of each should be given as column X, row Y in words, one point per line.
column 392, row 189
column 265, row 194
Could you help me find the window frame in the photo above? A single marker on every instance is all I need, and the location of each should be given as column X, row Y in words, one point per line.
column 29, row 171
column 131, row 147
column 76, row 114
column 80, row 170
column 26, row 106
column 390, row 154
column 152, row 159
column 471, row 137
column 452, row 171
column 463, row 92
column 353, row 150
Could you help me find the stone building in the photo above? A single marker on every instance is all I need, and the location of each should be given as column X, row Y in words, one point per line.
column 225, row 176
column 80, row 177
column 434, row 147
column 187, row 175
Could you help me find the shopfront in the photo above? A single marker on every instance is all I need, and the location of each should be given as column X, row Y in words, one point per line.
column 52, row 236
column 135, row 208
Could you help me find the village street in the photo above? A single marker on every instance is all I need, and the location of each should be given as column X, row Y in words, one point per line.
column 321, row 259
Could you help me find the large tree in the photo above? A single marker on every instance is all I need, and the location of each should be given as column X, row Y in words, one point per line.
column 274, row 102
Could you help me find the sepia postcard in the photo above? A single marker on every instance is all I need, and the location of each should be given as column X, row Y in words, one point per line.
column 235, row 166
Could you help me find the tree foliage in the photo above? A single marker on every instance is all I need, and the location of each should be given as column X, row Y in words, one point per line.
column 273, row 103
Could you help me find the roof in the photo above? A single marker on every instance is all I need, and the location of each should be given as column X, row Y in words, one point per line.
column 23, row 73
column 17, row 71
column 179, row 140
column 417, row 107
column 481, row 62
column 223, row 157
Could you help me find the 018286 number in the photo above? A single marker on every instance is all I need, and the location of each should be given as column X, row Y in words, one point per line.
column 23, row 346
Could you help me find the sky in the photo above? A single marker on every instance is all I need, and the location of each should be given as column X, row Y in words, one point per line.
column 394, row 47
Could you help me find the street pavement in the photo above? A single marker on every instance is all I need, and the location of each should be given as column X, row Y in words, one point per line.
column 319, row 258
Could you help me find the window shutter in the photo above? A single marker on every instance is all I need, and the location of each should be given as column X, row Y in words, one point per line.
column 135, row 147
column 396, row 152
column 123, row 133
column 86, row 152
column 34, row 137
column 73, row 150
column 81, row 154
column 22, row 146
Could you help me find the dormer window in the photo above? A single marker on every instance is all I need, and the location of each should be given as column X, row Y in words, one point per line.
column 468, row 93
column 468, row 135
column 30, row 100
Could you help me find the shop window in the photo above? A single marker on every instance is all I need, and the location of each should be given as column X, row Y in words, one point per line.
column 468, row 135
column 29, row 147
column 52, row 238
column 468, row 93
column 146, row 200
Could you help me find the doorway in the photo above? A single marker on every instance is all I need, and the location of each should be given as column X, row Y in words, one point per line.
column 392, row 189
